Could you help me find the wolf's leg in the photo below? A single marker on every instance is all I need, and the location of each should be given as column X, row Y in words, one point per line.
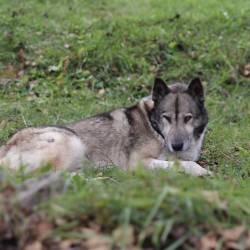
column 188, row 167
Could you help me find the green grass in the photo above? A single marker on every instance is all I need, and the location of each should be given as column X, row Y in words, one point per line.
column 56, row 56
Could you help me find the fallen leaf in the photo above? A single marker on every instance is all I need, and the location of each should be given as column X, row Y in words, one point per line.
column 20, row 73
column 233, row 234
column 3, row 227
column 34, row 246
column 208, row 242
column 245, row 70
column 44, row 229
column 21, row 56
column 66, row 63
column 248, row 240
column 233, row 245
column 98, row 243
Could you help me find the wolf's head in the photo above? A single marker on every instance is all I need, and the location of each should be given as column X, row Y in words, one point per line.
column 180, row 116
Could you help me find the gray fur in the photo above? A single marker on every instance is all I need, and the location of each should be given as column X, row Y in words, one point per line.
column 124, row 137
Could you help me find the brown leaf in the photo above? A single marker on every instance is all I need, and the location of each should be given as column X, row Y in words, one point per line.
column 20, row 73
column 245, row 70
column 232, row 245
column 233, row 234
column 8, row 192
column 248, row 240
column 34, row 246
column 66, row 63
column 44, row 229
column 3, row 227
column 208, row 242
column 21, row 56
column 98, row 242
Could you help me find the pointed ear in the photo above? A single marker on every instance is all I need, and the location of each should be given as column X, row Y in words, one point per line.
column 160, row 89
column 195, row 89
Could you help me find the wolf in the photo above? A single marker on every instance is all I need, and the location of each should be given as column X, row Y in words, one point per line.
column 167, row 125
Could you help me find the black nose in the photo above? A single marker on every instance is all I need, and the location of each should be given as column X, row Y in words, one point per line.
column 177, row 146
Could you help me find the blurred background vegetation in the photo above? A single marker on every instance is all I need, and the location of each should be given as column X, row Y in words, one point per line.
column 64, row 60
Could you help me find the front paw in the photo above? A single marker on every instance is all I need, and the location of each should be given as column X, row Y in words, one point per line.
column 192, row 168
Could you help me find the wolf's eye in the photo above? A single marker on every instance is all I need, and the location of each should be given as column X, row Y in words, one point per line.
column 168, row 118
column 187, row 118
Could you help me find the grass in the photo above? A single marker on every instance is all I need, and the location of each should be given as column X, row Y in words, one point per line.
column 64, row 60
